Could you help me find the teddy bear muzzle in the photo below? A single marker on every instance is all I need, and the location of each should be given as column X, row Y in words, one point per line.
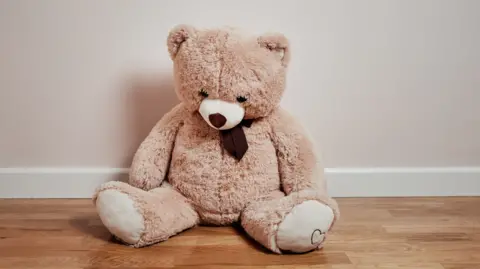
column 220, row 114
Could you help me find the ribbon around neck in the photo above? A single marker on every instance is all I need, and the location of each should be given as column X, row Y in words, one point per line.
column 234, row 140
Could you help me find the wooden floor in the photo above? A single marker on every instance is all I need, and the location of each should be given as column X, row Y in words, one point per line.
column 417, row 233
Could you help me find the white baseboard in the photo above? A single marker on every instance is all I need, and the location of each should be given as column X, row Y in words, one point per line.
column 409, row 181
column 55, row 182
column 342, row 182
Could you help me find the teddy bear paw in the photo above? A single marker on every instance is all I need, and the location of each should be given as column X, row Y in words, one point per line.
column 119, row 214
column 304, row 228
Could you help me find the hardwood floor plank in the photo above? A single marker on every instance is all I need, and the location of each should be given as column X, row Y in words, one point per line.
column 461, row 265
column 164, row 256
column 401, row 266
column 409, row 257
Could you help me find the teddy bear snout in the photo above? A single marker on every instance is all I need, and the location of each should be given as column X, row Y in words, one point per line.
column 217, row 120
column 221, row 115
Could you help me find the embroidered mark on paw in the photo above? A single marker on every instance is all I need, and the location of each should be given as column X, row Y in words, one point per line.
column 317, row 237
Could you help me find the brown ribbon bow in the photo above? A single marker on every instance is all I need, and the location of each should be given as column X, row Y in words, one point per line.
column 235, row 141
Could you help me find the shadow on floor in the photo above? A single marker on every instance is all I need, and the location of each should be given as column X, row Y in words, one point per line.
column 91, row 225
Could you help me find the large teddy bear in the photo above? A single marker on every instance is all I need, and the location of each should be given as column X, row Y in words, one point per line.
column 227, row 153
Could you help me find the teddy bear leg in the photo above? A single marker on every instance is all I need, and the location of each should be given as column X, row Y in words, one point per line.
column 294, row 223
column 140, row 218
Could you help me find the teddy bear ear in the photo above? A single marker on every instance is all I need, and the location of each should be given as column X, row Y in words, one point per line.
column 177, row 36
column 277, row 43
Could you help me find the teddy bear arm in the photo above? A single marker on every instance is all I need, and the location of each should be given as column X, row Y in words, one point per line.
column 151, row 160
column 298, row 164
column 299, row 167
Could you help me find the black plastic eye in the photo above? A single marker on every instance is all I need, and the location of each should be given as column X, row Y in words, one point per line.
column 203, row 93
column 241, row 99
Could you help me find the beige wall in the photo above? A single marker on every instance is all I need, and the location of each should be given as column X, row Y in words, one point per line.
column 380, row 83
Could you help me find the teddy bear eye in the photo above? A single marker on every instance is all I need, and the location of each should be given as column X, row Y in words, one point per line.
column 203, row 93
column 241, row 99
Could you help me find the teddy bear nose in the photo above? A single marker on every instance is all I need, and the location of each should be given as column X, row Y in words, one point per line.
column 217, row 119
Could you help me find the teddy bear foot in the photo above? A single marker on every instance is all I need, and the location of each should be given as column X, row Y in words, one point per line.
column 120, row 216
column 140, row 218
column 296, row 223
column 304, row 228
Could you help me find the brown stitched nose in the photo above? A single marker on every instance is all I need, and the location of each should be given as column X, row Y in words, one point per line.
column 217, row 120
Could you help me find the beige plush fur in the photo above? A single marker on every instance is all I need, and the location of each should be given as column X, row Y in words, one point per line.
column 181, row 175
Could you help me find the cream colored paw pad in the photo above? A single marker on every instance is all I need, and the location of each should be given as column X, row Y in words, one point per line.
column 118, row 213
column 304, row 228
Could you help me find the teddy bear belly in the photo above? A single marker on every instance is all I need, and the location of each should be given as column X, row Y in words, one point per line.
column 218, row 186
column 222, row 201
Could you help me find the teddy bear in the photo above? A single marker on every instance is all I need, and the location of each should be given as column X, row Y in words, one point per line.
column 226, row 154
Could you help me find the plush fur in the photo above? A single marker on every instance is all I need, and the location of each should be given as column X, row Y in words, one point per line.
column 181, row 175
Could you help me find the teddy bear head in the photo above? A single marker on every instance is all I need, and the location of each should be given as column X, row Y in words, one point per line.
column 226, row 75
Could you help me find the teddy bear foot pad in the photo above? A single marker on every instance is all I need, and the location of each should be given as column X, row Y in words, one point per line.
column 304, row 228
column 118, row 213
column 140, row 218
